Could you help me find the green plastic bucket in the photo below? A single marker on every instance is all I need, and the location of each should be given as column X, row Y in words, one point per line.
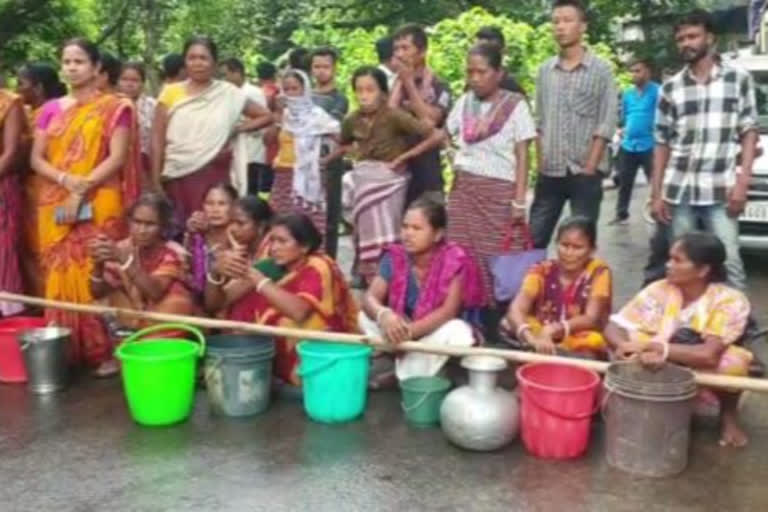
column 422, row 398
column 334, row 380
column 159, row 374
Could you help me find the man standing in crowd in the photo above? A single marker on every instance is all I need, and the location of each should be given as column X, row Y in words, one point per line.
column 706, row 116
column 638, row 113
column 386, row 53
column 493, row 36
column 234, row 72
column 419, row 91
column 577, row 102
column 266, row 73
column 326, row 94
column 173, row 68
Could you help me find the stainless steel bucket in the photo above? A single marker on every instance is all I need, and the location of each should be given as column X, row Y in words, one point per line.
column 46, row 356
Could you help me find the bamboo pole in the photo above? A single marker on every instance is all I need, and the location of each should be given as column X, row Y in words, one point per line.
column 705, row 379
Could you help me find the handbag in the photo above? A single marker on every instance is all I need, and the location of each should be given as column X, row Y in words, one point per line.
column 508, row 268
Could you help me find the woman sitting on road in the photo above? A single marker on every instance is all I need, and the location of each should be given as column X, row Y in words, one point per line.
column 691, row 318
column 207, row 230
column 307, row 291
column 247, row 237
column 425, row 290
column 145, row 271
column 564, row 304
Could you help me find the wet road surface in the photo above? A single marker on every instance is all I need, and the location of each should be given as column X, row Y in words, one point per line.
column 80, row 451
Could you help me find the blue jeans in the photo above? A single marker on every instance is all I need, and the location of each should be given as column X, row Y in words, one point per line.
column 714, row 219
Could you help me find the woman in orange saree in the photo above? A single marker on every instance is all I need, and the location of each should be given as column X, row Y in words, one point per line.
column 37, row 83
column 305, row 290
column 11, row 129
column 84, row 149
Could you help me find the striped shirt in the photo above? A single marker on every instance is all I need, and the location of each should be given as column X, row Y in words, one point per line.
column 702, row 124
column 573, row 107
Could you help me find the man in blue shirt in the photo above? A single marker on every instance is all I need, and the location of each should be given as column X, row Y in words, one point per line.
column 638, row 114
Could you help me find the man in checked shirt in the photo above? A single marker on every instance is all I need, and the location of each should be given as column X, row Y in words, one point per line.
column 706, row 116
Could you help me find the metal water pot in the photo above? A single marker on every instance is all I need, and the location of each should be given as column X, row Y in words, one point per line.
column 46, row 357
column 480, row 416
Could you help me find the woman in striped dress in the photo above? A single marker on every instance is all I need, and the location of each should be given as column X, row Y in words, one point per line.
column 492, row 130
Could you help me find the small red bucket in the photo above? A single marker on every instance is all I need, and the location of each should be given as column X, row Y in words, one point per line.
column 557, row 405
column 12, row 367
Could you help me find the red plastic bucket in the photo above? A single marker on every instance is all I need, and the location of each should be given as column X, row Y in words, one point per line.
column 12, row 367
column 557, row 405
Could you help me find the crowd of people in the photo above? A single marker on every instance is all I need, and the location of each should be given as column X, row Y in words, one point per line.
column 214, row 198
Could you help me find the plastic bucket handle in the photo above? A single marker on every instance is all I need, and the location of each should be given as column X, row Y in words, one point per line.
column 558, row 414
column 169, row 327
column 216, row 362
column 319, row 368
column 418, row 403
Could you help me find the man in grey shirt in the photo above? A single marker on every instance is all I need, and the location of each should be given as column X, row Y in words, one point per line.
column 576, row 103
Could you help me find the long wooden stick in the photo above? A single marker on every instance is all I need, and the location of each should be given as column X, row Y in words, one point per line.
column 705, row 379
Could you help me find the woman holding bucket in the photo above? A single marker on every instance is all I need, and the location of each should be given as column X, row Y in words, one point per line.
column 247, row 237
column 145, row 271
column 691, row 318
column 564, row 304
column 427, row 289
column 307, row 292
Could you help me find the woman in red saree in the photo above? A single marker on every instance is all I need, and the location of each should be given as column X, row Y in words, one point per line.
column 144, row 272
column 37, row 83
column 11, row 130
column 307, row 292
column 247, row 236
column 84, row 155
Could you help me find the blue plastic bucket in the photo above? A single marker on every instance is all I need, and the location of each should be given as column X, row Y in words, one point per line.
column 238, row 373
column 334, row 380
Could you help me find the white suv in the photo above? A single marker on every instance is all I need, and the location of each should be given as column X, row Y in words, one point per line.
column 753, row 224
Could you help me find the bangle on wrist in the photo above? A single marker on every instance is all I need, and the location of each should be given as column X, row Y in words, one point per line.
column 96, row 279
column 217, row 282
column 520, row 205
column 61, row 178
column 125, row 266
column 262, row 284
column 381, row 312
column 566, row 328
column 521, row 330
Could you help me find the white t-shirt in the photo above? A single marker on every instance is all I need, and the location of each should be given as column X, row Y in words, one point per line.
column 257, row 152
column 493, row 157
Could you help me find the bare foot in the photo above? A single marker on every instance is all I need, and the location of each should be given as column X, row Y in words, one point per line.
column 107, row 369
column 731, row 433
column 383, row 381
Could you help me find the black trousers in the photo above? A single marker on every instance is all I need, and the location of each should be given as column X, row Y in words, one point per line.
column 584, row 192
column 260, row 178
column 629, row 163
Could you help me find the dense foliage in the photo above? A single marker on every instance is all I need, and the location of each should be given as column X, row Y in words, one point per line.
column 254, row 29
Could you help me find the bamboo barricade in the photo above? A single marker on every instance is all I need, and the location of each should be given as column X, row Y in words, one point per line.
column 705, row 379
